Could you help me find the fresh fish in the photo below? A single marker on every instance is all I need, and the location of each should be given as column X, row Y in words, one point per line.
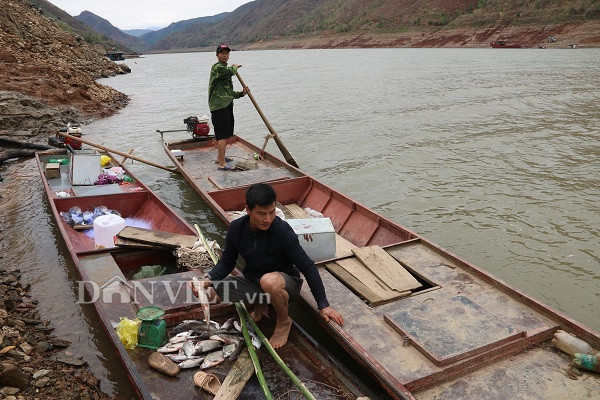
column 203, row 297
column 182, row 337
column 237, row 326
column 256, row 342
column 196, row 326
column 188, row 348
column 179, row 357
column 204, row 346
column 170, row 348
column 191, row 362
column 228, row 325
column 229, row 349
column 212, row 359
column 227, row 339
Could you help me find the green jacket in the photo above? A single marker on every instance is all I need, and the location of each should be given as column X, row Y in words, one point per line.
column 220, row 86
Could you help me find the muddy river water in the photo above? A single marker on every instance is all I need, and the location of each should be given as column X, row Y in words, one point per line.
column 492, row 153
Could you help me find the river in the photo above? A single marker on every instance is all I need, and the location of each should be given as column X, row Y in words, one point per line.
column 492, row 153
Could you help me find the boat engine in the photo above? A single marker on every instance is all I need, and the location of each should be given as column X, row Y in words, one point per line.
column 59, row 141
column 198, row 127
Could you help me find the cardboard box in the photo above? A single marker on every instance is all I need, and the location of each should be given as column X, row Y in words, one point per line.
column 316, row 236
column 52, row 170
column 85, row 168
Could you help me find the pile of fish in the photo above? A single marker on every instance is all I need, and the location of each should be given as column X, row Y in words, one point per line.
column 198, row 344
column 76, row 217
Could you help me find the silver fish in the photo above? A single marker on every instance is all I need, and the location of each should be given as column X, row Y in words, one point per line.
column 191, row 362
column 196, row 326
column 205, row 346
column 227, row 339
column 237, row 326
column 182, row 337
column 178, row 357
column 228, row 325
column 170, row 348
column 203, row 297
column 229, row 349
column 212, row 359
column 188, row 348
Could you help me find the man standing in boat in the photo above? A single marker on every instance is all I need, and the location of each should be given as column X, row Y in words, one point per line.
column 274, row 260
column 220, row 102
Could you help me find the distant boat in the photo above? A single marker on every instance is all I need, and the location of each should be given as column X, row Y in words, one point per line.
column 501, row 44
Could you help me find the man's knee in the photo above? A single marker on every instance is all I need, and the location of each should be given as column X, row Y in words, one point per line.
column 272, row 282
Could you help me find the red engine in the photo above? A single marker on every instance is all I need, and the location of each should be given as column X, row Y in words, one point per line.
column 198, row 127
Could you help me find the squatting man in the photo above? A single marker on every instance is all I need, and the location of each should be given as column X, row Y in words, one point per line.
column 274, row 260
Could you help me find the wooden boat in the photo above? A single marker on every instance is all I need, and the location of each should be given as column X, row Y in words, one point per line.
column 107, row 276
column 501, row 44
column 459, row 332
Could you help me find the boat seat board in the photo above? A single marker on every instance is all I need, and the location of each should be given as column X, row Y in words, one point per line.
column 161, row 238
column 97, row 190
column 451, row 329
column 101, row 268
column 231, row 179
column 361, row 278
column 169, row 292
column 386, row 268
column 343, row 247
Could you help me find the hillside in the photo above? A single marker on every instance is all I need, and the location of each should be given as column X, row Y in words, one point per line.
column 72, row 25
column 151, row 38
column 48, row 75
column 405, row 23
column 101, row 25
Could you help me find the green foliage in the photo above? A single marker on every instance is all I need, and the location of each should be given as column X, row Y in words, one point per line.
column 481, row 3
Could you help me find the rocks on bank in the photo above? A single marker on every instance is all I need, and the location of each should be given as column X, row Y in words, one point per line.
column 48, row 76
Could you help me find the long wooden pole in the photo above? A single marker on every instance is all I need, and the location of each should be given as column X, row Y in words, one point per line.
column 99, row 146
column 286, row 154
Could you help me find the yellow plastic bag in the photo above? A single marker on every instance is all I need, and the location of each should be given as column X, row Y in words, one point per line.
column 104, row 160
column 127, row 331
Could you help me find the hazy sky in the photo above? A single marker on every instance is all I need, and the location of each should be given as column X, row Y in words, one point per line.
column 140, row 14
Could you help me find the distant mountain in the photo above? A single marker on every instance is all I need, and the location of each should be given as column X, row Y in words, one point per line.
column 153, row 37
column 272, row 20
column 70, row 24
column 101, row 25
column 137, row 32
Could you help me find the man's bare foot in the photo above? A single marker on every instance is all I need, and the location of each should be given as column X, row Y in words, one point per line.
column 282, row 331
column 259, row 311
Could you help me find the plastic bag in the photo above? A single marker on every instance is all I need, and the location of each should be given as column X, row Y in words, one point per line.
column 149, row 271
column 104, row 160
column 127, row 331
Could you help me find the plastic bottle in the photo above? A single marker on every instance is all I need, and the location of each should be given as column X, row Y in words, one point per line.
column 106, row 228
column 570, row 344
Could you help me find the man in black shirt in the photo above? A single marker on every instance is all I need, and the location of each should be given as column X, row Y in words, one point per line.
column 274, row 260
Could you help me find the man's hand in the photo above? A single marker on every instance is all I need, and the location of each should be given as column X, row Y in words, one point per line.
column 330, row 313
column 204, row 282
column 237, row 65
column 246, row 90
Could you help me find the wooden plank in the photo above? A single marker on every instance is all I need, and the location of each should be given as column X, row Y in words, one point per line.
column 161, row 238
column 358, row 271
column 296, row 211
column 448, row 329
column 356, row 285
column 235, row 381
column 134, row 244
column 231, row 179
column 386, row 268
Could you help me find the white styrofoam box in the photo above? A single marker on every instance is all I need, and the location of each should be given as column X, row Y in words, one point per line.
column 85, row 168
column 316, row 236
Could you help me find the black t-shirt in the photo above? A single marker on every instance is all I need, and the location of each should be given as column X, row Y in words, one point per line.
column 275, row 250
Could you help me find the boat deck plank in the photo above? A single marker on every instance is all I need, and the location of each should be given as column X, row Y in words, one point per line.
column 538, row 374
column 203, row 161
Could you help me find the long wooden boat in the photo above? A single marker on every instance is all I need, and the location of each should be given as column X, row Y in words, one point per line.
column 459, row 333
column 108, row 278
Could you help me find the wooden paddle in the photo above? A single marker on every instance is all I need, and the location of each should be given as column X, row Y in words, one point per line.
column 286, row 154
column 117, row 152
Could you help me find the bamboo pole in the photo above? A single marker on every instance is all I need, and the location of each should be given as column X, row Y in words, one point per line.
column 211, row 253
column 286, row 154
column 275, row 356
column 261, row 378
column 99, row 146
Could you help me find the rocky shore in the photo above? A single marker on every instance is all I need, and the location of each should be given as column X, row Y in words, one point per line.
column 48, row 78
column 33, row 363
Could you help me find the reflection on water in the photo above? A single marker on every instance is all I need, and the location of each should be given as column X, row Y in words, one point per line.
column 495, row 155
